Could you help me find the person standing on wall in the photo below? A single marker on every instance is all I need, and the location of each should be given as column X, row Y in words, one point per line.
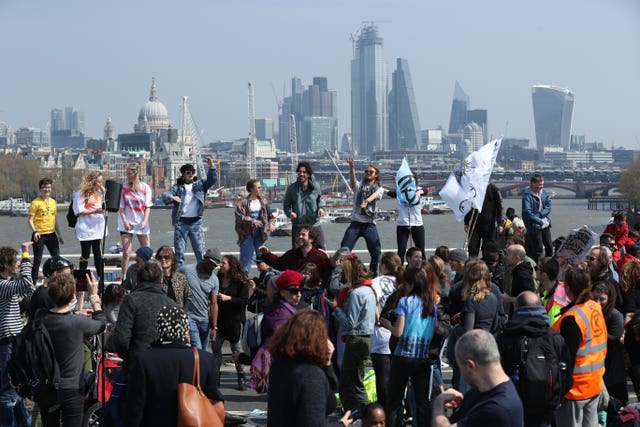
column 366, row 194
column 254, row 222
column 45, row 231
column 303, row 203
column 482, row 226
column 536, row 211
column 187, row 196
column 133, row 216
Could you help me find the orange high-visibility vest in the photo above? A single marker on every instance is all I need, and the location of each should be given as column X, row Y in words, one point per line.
column 589, row 365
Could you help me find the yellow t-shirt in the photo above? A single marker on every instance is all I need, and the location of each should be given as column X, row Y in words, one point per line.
column 44, row 214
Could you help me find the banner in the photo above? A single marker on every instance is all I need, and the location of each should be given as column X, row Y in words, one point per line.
column 577, row 245
column 406, row 186
column 467, row 184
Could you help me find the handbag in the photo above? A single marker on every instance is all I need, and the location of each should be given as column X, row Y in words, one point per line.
column 194, row 408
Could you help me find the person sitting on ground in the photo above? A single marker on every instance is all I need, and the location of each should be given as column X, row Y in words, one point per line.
column 289, row 284
column 373, row 415
column 493, row 400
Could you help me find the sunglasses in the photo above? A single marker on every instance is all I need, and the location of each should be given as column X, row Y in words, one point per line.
column 161, row 257
column 293, row 290
column 189, row 173
column 591, row 258
column 369, row 171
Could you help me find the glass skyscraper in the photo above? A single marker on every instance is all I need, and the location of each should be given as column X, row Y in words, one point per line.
column 552, row 115
column 369, row 116
column 459, row 109
column 404, row 125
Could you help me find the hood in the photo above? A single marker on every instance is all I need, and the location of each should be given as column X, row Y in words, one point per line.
column 530, row 325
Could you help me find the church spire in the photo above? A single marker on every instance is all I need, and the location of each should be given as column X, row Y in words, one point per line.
column 153, row 95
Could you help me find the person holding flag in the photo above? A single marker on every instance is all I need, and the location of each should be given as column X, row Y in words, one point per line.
column 409, row 221
column 482, row 226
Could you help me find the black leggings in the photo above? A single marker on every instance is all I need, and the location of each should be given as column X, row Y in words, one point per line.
column 69, row 407
column 86, row 247
column 417, row 234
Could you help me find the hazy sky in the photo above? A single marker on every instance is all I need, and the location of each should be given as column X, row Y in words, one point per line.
column 100, row 56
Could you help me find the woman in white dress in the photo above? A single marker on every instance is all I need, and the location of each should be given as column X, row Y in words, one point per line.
column 133, row 218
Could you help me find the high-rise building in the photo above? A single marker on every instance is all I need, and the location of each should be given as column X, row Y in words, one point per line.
column 369, row 115
column 479, row 117
column 73, row 120
column 264, row 129
column 552, row 115
column 404, row 125
column 316, row 117
column 459, row 108
column 57, row 120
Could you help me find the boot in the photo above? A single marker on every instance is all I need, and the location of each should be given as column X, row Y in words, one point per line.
column 241, row 381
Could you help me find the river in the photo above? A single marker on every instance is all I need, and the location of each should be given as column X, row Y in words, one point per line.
column 441, row 229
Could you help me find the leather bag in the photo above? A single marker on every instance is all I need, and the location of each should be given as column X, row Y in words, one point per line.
column 194, row 408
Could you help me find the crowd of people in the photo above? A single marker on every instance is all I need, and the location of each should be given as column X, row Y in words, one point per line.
column 323, row 318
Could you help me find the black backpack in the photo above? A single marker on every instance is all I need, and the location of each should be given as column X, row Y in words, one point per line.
column 33, row 368
column 543, row 374
column 72, row 218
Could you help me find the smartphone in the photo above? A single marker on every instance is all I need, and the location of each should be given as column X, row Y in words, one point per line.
column 81, row 273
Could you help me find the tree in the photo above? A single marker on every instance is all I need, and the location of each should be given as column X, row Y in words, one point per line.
column 630, row 182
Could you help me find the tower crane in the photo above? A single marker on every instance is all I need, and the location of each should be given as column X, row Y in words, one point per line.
column 294, row 142
column 251, row 142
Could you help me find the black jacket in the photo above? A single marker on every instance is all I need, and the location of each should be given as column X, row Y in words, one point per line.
column 491, row 215
column 136, row 326
column 152, row 391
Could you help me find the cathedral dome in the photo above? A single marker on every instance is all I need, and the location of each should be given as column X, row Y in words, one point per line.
column 153, row 114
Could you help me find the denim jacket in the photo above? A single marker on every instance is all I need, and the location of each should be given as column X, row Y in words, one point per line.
column 200, row 189
column 535, row 208
column 358, row 316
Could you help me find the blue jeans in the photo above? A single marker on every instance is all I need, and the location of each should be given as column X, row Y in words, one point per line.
column 248, row 247
column 194, row 232
column 370, row 234
column 199, row 333
column 12, row 410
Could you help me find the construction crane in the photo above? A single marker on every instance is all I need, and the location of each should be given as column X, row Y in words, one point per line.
column 251, row 143
column 294, row 142
column 191, row 136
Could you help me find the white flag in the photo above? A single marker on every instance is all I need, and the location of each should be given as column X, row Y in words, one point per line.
column 467, row 184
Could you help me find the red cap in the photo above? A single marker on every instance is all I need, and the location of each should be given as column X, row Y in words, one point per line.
column 289, row 279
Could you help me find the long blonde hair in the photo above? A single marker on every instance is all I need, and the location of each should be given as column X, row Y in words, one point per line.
column 89, row 184
column 477, row 280
column 136, row 184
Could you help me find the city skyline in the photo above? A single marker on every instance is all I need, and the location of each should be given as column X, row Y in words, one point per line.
column 100, row 58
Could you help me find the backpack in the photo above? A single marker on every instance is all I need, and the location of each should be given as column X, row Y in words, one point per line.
column 33, row 369
column 260, row 367
column 72, row 218
column 542, row 376
column 252, row 334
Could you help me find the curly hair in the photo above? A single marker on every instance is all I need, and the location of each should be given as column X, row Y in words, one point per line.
column 236, row 270
column 477, row 280
column 8, row 257
column 438, row 266
column 630, row 277
column 89, row 184
column 302, row 336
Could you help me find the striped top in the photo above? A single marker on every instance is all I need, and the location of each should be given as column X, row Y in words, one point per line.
column 10, row 292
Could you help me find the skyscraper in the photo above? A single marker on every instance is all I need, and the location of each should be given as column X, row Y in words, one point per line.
column 57, row 120
column 369, row 116
column 479, row 117
column 459, row 108
column 404, row 125
column 552, row 115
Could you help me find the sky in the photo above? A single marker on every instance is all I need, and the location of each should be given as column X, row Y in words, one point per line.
column 100, row 56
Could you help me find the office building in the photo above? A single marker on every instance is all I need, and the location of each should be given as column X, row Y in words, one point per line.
column 479, row 117
column 404, row 125
column 57, row 120
column 264, row 128
column 369, row 115
column 459, row 107
column 552, row 115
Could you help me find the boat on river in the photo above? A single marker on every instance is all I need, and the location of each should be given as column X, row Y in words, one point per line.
column 14, row 207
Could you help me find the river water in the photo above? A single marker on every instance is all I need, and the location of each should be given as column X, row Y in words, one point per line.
column 441, row 229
